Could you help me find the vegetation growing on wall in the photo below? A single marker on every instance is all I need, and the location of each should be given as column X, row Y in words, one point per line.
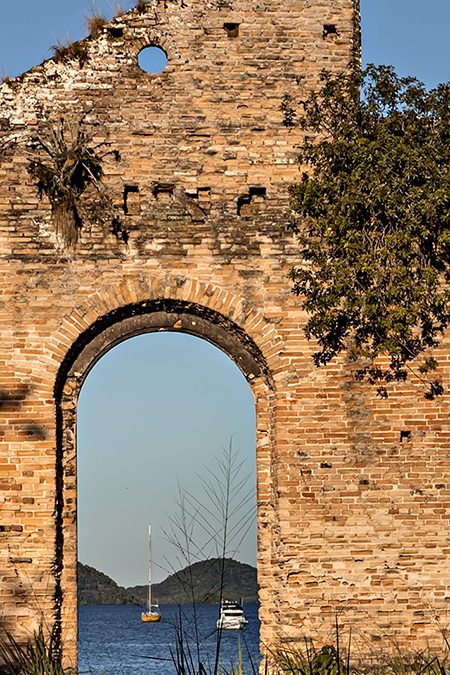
column 5, row 145
column 64, row 163
column 72, row 51
column 372, row 213
column 141, row 6
column 95, row 24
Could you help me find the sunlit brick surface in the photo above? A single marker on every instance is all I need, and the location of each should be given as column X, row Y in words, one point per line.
column 353, row 515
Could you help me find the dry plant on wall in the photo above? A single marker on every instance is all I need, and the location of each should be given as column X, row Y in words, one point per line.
column 5, row 145
column 119, row 10
column 72, row 51
column 64, row 162
column 8, row 138
column 95, row 24
column 141, row 6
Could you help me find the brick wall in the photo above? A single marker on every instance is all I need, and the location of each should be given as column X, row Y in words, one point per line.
column 352, row 513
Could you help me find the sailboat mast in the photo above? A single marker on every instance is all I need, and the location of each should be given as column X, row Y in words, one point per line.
column 151, row 615
column 149, row 592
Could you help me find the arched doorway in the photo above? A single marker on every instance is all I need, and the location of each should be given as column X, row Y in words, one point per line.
column 165, row 436
column 112, row 329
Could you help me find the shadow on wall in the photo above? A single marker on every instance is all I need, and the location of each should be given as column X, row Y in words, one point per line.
column 17, row 587
column 18, row 593
column 12, row 401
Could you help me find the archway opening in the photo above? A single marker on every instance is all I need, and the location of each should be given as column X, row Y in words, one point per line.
column 157, row 416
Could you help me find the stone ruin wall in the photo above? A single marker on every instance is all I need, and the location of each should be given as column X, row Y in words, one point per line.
column 353, row 491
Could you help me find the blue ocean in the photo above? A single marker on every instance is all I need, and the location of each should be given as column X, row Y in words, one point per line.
column 113, row 640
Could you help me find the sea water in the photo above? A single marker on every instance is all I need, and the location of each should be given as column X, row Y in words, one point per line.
column 112, row 640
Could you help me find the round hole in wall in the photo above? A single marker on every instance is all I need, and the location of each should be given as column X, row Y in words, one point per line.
column 152, row 59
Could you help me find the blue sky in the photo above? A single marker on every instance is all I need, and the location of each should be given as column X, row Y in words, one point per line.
column 411, row 34
column 157, row 409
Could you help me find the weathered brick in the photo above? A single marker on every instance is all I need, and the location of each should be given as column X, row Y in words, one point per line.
column 353, row 516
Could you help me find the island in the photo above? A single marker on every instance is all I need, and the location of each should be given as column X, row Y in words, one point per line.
column 198, row 583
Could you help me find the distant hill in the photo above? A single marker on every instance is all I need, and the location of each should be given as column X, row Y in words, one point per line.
column 201, row 581
column 96, row 588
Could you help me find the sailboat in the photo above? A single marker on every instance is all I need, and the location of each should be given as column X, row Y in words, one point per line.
column 152, row 613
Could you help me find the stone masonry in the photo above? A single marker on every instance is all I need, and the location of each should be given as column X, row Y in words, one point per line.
column 187, row 231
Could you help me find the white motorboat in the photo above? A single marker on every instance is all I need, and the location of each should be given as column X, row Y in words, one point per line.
column 231, row 615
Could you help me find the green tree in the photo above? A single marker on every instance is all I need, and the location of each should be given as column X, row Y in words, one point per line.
column 371, row 212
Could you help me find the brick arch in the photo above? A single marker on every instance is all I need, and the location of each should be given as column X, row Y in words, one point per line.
column 112, row 315
column 106, row 305
column 163, row 36
column 161, row 39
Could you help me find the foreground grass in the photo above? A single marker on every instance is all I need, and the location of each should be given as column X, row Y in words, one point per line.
column 39, row 656
column 333, row 660
column 326, row 662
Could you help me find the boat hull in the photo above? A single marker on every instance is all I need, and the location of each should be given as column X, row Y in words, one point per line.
column 224, row 625
column 150, row 617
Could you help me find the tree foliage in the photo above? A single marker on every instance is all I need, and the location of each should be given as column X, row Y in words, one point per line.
column 372, row 216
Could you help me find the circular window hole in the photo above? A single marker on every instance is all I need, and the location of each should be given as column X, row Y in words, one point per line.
column 152, row 59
